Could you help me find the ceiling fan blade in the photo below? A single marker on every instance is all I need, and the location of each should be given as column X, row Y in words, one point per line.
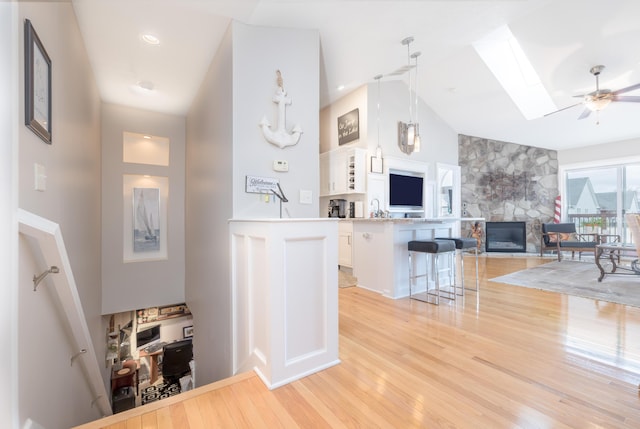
column 627, row 89
column 627, row 98
column 564, row 108
column 585, row 113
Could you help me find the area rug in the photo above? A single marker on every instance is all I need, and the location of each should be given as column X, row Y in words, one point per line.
column 159, row 391
column 578, row 279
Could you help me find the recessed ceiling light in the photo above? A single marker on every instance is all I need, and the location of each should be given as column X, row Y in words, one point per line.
column 340, row 87
column 146, row 85
column 150, row 39
column 143, row 87
column 146, row 137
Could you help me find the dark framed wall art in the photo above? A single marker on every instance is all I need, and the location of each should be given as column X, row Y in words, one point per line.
column 37, row 84
column 348, row 127
column 187, row 332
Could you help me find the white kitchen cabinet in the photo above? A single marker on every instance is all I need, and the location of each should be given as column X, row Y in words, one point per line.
column 356, row 171
column 345, row 244
column 373, row 253
column 338, row 173
column 343, row 171
column 325, row 174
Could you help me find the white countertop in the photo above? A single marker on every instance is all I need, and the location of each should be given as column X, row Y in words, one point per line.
column 412, row 219
column 288, row 220
column 367, row 219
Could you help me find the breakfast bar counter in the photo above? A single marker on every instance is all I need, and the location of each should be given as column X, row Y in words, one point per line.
column 380, row 256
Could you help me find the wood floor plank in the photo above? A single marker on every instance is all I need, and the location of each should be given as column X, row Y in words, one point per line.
column 192, row 410
column 134, row 423
column 222, row 416
column 163, row 418
column 149, row 421
column 506, row 357
column 178, row 416
column 258, row 395
column 245, row 400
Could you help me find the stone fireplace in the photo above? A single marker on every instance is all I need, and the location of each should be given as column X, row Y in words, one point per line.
column 507, row 182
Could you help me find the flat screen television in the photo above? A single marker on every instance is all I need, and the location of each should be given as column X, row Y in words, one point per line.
column 147, row 337
column 405, row 191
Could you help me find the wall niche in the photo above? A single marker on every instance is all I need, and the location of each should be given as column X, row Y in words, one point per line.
column 503, row 181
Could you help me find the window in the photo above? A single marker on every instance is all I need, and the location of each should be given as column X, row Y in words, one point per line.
column 596, row 199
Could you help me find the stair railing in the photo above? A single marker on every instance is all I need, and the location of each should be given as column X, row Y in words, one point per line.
column 48, row 236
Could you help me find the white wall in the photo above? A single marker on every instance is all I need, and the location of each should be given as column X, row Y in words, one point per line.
column 257, row 53
column 356, row 99
column 141, row 284
column 9, row 84
column 439, row 141
column 224, row 144
column 600, row 154
column 72, row 200
column 209, row 177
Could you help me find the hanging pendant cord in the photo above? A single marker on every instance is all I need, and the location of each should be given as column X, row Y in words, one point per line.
column 410, row 101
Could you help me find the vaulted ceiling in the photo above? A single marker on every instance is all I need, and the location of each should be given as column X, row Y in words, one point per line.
column 361, row 39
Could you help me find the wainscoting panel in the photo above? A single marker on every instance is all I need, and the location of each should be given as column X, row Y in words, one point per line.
column 285, row 297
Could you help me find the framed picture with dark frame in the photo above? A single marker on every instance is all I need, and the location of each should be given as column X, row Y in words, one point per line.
column 37, row 84
column 187, row 332
column 349, row 127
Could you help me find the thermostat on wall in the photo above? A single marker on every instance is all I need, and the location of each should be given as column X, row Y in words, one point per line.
column 280, row 165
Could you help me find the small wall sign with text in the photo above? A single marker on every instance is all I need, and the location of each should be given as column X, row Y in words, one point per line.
column 348, row 127
column 260, row 185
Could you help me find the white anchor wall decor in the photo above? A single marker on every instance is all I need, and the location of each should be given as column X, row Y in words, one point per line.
column 280, row 136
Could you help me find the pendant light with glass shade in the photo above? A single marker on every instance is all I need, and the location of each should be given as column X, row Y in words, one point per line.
column 408, row 133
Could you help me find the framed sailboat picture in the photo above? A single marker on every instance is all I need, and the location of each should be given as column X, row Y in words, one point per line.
column 144, row 224
column 146, row 220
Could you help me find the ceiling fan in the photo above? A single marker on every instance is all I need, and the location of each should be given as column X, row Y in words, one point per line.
column 600, row 98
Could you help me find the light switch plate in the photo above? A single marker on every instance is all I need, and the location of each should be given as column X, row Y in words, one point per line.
column 40, row 177
column 280, row 165
column 306, row 197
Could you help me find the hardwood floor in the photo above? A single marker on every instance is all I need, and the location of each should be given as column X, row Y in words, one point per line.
column 510, row 357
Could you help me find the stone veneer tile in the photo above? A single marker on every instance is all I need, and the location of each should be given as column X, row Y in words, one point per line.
column 504, row 181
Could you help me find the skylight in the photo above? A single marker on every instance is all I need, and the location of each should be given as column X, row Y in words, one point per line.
column 502, row 53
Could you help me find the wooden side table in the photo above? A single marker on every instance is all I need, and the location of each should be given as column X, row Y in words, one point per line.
column 153, row 363
column 125, row 376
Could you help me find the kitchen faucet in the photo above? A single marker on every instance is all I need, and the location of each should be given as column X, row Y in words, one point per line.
column 377, row 212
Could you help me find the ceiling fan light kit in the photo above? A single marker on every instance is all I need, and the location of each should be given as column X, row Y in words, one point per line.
column 599, row 99
column 596, row 103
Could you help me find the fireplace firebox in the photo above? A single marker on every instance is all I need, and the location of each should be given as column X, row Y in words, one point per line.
column 506, row 237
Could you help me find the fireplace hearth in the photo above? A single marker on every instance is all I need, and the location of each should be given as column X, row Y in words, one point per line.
column 506, row 237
